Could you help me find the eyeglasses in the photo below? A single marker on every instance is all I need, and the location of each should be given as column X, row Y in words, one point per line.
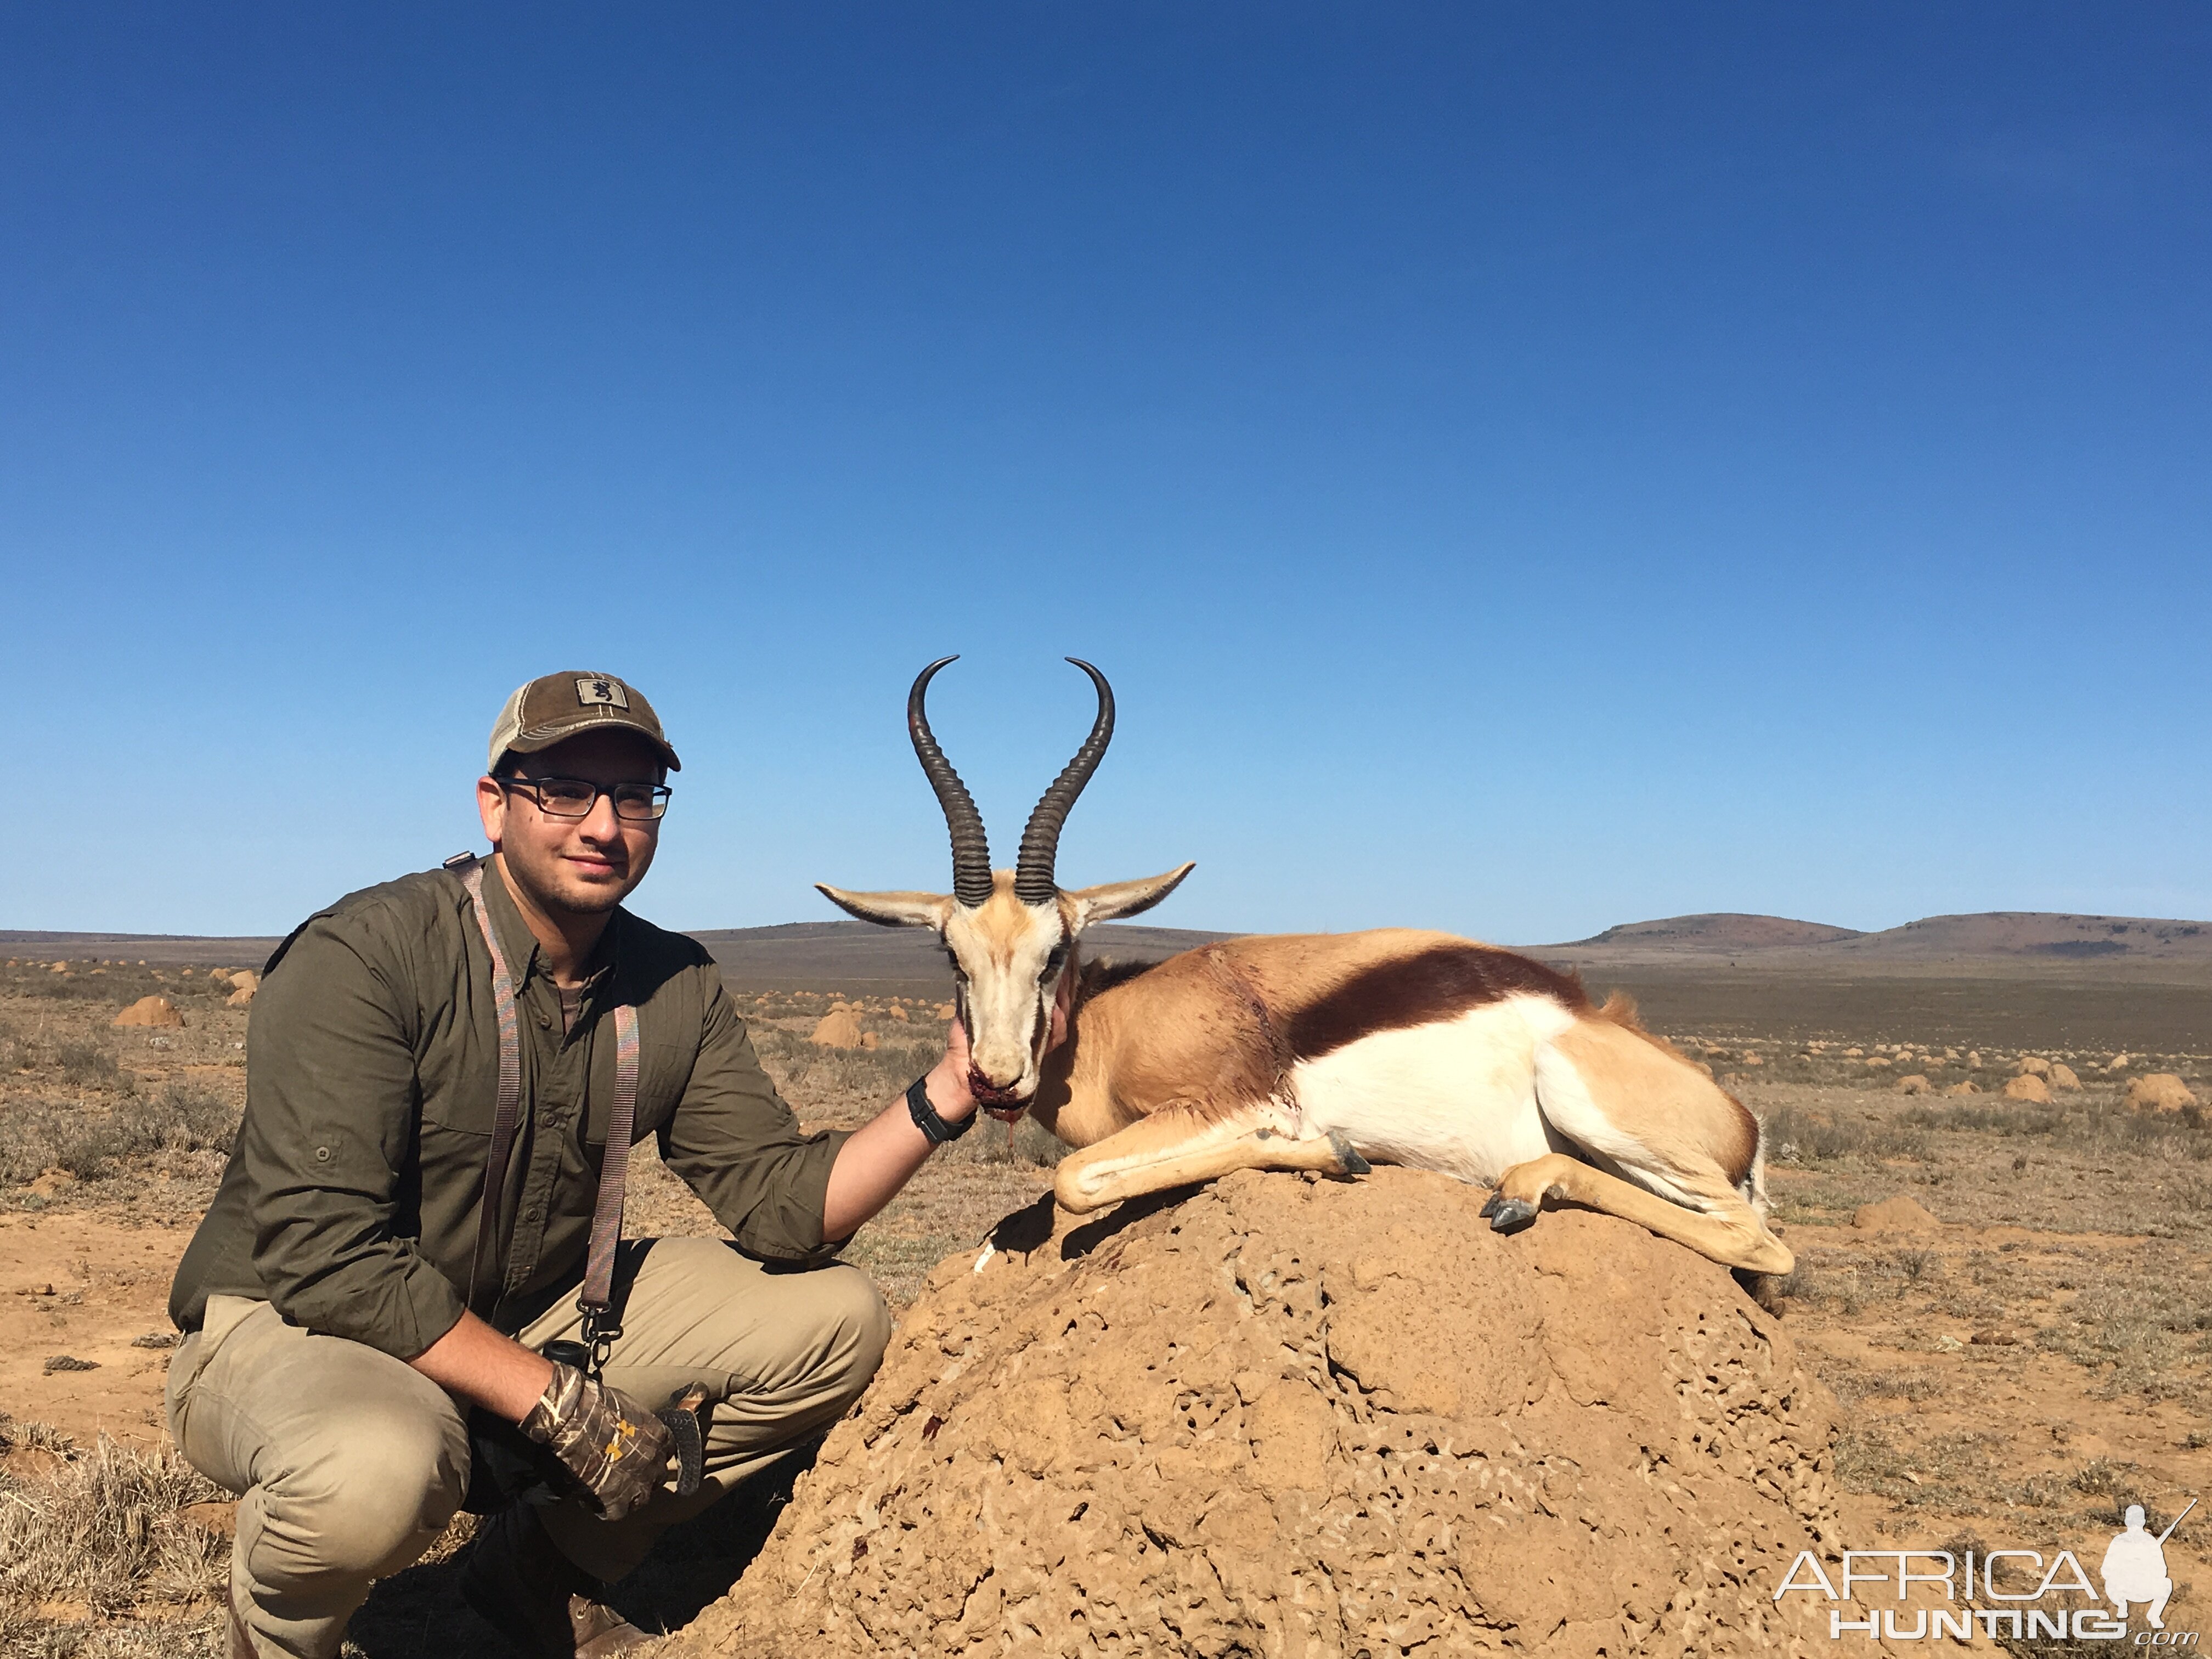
column 575, row 798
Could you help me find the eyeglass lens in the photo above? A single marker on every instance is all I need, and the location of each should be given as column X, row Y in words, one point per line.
column 573, row 797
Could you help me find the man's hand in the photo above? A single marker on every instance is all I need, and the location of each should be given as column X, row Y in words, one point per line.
column 618, row 1450
column 948, row 1079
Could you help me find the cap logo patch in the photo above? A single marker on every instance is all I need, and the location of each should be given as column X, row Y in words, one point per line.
column 607, row 692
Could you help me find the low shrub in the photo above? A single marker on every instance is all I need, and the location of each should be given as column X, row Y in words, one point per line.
column 814, row 1079
column 990, row 1142
column 91, row 1142
column 1793, row 1136
column 91, row 1065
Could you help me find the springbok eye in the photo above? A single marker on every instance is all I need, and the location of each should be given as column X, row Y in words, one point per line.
column 958, row 972
column 1052, row 964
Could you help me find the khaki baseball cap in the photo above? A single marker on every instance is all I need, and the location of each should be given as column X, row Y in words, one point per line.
column 556, row 706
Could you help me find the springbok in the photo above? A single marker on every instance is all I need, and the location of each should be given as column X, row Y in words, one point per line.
column 1316, row 1051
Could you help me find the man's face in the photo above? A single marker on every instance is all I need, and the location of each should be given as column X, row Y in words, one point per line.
column 583, row 866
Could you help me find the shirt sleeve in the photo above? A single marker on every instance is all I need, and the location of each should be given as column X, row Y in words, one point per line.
column 736, row 1144
column 329, row 1129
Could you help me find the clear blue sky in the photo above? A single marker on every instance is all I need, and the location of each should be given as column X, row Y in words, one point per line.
column 1524, row 468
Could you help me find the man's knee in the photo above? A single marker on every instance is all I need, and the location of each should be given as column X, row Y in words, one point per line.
column 368, row 1497
column 870, row 1317
column 856, row 1324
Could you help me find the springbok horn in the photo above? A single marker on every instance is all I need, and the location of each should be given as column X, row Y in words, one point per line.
column 971, row 848
column 1034, row 881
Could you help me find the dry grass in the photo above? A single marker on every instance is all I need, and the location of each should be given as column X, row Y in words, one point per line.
column 97, row 1557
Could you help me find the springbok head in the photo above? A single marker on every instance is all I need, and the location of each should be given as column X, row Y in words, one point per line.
column 1010, row 933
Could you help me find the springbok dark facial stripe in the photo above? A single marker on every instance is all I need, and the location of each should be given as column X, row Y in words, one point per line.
column 1436, row 984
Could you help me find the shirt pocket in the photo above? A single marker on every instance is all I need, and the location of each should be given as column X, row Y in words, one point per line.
column 663, row 1071
column 459, row 1096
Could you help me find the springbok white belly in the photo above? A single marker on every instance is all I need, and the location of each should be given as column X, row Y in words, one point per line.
column 1458, row 1096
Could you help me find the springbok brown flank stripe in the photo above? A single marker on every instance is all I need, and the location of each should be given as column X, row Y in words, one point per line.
column 1436, row 984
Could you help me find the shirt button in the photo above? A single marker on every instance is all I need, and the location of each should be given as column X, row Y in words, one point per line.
column 530, row 1214
column 545, row 1022
column 322, row 1154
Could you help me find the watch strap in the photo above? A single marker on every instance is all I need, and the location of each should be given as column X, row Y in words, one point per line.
column 926, row 1118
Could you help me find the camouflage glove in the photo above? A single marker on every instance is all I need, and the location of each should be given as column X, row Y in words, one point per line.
column 618, row 1450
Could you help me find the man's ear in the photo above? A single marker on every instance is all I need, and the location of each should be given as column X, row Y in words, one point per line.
column 1124, row 898
column 891, row 910
column 491, row 807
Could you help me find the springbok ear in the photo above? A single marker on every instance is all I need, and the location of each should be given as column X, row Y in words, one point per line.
column 1124, row 898
column 891, row 910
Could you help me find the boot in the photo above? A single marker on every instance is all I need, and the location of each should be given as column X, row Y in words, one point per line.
column 522, row 1586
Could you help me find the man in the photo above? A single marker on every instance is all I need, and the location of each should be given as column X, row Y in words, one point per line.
column 346, row 1312
column 2134, row 1569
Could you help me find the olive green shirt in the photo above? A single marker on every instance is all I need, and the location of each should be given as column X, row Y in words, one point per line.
column 351, row 1198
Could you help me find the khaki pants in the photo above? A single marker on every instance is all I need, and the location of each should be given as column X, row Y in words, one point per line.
column 351, row 1463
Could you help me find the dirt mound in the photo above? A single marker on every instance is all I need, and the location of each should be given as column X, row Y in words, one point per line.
column 2160, row 1091
column 836, row 1030
column 1900, row 1213
column 1307, row 1417
column 158, row 1011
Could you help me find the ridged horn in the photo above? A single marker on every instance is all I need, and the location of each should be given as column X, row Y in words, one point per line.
column 971, row 848
column 1034, row 881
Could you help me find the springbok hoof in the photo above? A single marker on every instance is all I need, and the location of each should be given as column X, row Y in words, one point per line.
column 1347, row 1156
column 1507, row 1213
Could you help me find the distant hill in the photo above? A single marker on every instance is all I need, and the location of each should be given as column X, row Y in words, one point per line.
column 824, row 954
column 796, row 956
column 158, row 949
column 1725, row 930
column 2036, row 934
column 804, row 955
column 2007, row 942
column 2030, row 932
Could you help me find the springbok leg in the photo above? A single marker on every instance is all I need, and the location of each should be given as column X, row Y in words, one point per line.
column 1731, row 1234
column 1175, row 1146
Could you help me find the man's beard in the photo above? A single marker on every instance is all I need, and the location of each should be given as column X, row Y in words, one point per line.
column 593, row 901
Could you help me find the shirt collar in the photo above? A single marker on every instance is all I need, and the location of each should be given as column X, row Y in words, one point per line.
column 525, row 957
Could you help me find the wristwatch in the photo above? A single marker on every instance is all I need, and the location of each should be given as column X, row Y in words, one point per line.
column 926, row 1118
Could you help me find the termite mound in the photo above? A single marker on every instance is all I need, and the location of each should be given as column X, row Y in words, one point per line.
column 1283, row 1416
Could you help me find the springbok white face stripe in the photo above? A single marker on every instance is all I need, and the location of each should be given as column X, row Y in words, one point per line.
column 1010, row 954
